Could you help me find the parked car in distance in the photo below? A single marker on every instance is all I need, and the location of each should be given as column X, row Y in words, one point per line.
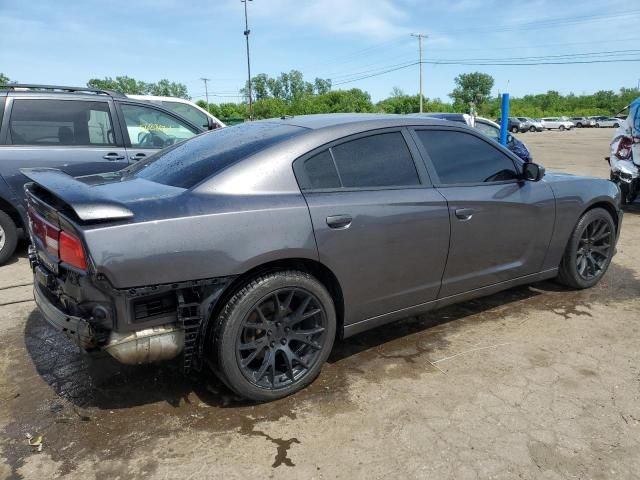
column 79, row 130
column 533, row 126
column 251, row 248
column 185, row 108
column 583, row 122
column 552, row 123
column 609, row 122
column 515, row 125
column 489, row 128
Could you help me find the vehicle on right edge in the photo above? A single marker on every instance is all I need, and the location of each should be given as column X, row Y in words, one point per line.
column 250, row 249
column 556, row 123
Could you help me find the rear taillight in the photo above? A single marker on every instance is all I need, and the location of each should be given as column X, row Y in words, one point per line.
column 71, row 251
column 65, row 246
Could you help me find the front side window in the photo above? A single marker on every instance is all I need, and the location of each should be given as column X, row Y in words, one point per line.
column 459, row 158
column 382, row 160
column 187, row 111
column 60, row 122
column 152, row 128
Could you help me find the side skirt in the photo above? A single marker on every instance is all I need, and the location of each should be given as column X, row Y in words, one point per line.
column 373, row 322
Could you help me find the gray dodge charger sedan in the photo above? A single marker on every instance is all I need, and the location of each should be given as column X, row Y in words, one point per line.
column 250, row 249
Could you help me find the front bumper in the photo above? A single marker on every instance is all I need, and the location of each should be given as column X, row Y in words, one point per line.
column 78, row 330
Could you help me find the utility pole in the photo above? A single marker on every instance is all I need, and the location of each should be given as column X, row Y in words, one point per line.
column 246, row 36
column 420, row 36
column 206, row 90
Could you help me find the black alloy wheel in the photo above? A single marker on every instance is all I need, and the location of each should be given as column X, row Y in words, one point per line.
column 594, row 248
column 281, row 338
column 589, row 251
column 273, row 335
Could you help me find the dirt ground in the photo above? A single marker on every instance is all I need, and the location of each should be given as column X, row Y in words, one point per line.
column 535, row 383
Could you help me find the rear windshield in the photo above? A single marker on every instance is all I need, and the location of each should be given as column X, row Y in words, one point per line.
column 190, row 162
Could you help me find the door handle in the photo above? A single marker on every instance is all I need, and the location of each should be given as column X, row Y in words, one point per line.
column 138, row 156
column 113, row 156
column 464, row 213
column 339, row 221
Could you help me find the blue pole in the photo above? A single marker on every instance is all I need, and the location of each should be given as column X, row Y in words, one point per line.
column 505, row 119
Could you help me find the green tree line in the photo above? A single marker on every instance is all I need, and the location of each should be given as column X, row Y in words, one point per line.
column 290, row 94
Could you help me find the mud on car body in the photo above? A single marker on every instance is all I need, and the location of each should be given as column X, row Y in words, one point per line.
column 251, row 248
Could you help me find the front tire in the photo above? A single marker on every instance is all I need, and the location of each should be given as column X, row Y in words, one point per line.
column 589, row 251
column 8, row 237
column 561, row 128
column 274, row 334
column 532, row 129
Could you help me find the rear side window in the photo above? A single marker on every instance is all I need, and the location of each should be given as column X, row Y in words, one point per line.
column 320, row 171
column 60, row 122
column 459, row 158
column 188, row 163
column 382, row 160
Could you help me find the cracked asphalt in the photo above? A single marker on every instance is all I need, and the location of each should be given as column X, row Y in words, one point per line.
column 536, row 382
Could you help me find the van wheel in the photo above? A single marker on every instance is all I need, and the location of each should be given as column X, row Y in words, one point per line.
column 8, row 237
column 562, row 127
column 274, row 334
column 589, row 251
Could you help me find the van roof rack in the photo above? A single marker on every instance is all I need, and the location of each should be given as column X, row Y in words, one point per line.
column 30, row 86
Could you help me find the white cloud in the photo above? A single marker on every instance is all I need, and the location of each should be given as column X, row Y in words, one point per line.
column 370, row 18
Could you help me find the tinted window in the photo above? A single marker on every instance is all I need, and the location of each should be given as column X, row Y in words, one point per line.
column 60, row 122
column 462, row 158
column 188, row 163
column 380, row 160
column 149, row 127
column 320, row 172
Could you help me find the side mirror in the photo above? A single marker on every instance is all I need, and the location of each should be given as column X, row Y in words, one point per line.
column 532, row 172
column 211, row 125
column 510, row 139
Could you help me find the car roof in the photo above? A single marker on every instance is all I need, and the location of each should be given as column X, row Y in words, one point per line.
column 354, row 120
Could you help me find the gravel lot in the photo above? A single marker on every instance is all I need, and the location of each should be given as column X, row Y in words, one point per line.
column 536, row 382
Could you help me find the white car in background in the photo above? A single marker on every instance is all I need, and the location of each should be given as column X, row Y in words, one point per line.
column 184, row 108
column 609, row 122
column 551, row 123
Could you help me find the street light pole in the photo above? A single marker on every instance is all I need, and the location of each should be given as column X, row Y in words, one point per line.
column 420, row 36
column 246, row 36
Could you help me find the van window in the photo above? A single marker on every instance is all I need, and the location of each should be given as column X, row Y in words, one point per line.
column 60, row 122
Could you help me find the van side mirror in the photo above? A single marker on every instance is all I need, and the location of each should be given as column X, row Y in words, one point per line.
column 211, row 125
column 532, row 172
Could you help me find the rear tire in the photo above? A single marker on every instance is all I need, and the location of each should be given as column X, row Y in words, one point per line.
column 274, row 334
column 589, row 250
column 8, row 237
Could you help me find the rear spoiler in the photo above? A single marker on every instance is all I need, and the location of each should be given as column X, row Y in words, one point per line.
column 82, row 198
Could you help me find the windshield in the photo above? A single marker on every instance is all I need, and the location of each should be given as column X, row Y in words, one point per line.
column 187, row 111
column 188, row 163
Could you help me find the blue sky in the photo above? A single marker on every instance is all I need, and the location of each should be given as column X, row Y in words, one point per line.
column 68, row 42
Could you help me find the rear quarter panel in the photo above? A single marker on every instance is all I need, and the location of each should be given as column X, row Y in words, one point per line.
column 205, row 236
column 575, row 195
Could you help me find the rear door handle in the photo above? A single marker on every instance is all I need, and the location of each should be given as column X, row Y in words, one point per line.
column 138, row 156
column 339, row 221
column 464, row 213
column 113, row 156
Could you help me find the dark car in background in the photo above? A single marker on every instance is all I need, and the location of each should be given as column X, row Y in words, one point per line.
column 78, row 130
column 250, row 249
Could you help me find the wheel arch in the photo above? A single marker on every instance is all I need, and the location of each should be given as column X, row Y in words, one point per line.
column 313, row 267
column 606, row 205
